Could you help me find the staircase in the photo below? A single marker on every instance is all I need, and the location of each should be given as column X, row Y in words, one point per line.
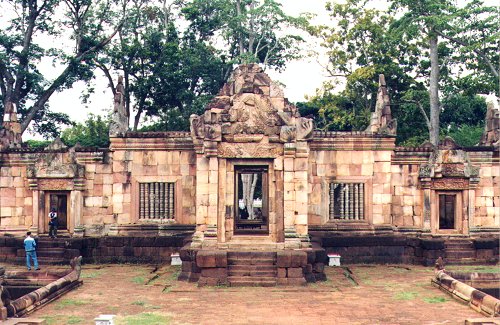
column 252, row 269
column 51, row 251
column 459, row 251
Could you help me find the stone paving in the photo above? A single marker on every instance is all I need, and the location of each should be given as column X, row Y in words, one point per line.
column 383, row 295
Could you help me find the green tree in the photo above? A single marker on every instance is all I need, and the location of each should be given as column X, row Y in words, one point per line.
column 365, row 42
column 168, row 74
column 253, row 30
column 94, row 132
column 360, row 48
column 428, row 20
column 27, row 42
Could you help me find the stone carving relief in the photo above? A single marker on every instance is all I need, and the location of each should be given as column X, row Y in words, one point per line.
column 450, row 184
column 55, row 184
column 448, row 167
column 249, row 108
column 59, row 164
column 248, row 150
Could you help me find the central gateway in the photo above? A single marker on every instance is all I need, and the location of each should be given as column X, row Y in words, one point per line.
column 252, row 161
column 252, row 200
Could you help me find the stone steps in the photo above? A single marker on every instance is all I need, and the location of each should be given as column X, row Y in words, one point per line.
column 252, row 273
column 459, row 251
column 249, row 261
column 252, row 269
column 251, row 281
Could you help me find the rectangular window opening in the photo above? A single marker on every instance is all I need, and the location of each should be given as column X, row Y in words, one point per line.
column 156, row 201
column 347, row 201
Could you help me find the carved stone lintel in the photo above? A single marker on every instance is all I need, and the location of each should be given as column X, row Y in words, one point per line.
column 249, row 150
column 450, row 184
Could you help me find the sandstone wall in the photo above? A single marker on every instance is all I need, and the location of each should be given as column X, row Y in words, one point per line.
column 407, row 199
column 16, row 199
column 165, row 158
column 487, row 193
column 351, row 158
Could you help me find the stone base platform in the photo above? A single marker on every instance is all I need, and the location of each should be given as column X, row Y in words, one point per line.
column 246, row 267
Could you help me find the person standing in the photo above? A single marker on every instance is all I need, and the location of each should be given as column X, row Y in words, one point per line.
column 53, row 223
column 30, row 248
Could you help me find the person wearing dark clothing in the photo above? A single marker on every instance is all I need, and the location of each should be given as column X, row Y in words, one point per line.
column 244, row 213
column 53, row 223
column 30, row 248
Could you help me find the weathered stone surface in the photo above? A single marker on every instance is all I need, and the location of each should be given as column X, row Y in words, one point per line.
column 211, row 258
column 218, row 272
column 295, row 272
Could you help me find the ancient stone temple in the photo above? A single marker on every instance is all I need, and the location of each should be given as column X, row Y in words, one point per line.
column 254, row 194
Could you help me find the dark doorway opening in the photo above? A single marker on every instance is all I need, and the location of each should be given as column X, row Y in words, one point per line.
column 447, row 208
column 251, row 200
column 59, row 202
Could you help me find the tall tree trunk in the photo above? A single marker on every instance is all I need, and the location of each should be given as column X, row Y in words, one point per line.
column 240, row 36
column 434, row 89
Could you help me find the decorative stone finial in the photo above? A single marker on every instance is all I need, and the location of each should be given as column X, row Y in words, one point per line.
column 119, row 119
column 10, row 134
column 491, row 134
column 381, row 120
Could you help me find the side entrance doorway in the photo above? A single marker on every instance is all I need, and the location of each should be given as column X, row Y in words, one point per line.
column 59, row 202
column 449, row 208
column 251, row 200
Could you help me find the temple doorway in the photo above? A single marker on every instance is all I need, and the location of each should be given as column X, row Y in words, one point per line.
column 251, row 200
column 59, row 202
column 447, row 211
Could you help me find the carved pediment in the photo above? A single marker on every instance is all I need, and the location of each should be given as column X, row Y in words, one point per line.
column 56, row 165
column 249, row 108
column 448, row 161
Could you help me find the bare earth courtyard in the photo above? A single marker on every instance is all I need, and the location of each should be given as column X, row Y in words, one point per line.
column 141, row 294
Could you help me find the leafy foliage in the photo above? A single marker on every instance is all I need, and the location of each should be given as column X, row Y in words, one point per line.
column 27, row 43
column 93, row 133
column 36, row 144
column 364, row 42
column 254, row 31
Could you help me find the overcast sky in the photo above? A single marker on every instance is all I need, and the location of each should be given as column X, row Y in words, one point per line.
column 300, row 77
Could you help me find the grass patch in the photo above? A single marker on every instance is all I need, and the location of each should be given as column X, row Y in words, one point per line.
column 51, row 320
column 55, row 320
column 474, row 268
column 138, row 280
column 74, row 320
column 406, row 295
column 88, row 274
column 139, row 303
column 175, row 273
column 435, row 300
column 144, row 319
column 64, row 303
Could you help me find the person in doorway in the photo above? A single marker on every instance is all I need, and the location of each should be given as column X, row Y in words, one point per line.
column 53, row 223
column 30, row 248
column 244, row 213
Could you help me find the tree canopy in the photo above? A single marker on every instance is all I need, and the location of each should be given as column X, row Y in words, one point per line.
column 28, row 41
column 436, row 57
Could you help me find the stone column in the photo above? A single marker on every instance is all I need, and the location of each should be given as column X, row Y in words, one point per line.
column 278, row 218
column 471, row 203
column 36, row 211
column 426, row 187
column 76, row 211
column 301, row 188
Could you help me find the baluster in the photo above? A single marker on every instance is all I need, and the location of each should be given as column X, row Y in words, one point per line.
column 356, row 201
column 362, row 201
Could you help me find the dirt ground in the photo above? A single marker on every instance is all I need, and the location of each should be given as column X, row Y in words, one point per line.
column 141, row 294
